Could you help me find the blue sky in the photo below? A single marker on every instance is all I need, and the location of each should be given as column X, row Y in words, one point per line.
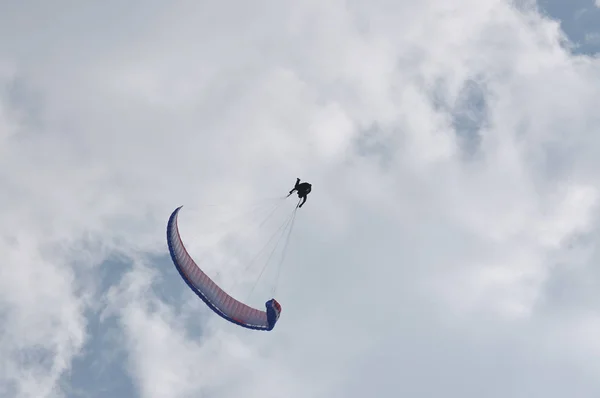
column 579, row 21
column 448, row 247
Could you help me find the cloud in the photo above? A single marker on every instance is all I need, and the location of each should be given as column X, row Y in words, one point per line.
column 448, row 246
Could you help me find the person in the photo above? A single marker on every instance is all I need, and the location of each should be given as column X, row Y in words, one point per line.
column 303, row 190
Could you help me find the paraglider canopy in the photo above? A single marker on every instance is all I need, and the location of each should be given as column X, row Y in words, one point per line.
column 215, row 297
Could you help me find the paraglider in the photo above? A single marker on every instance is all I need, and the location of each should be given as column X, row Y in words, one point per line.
column 216, row 298
column 213, row 295
column 303, row 190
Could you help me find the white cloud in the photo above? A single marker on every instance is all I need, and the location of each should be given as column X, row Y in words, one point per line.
column 412, row 265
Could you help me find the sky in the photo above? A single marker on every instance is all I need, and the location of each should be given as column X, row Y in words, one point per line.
column 448, row 247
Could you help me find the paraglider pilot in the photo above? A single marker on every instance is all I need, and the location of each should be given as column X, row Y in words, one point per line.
column 303, row 190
